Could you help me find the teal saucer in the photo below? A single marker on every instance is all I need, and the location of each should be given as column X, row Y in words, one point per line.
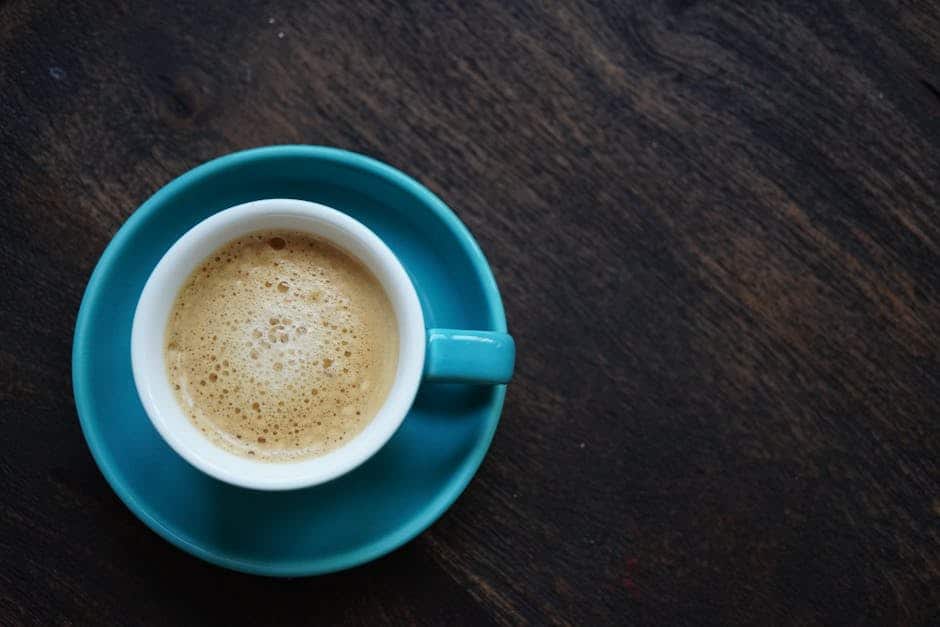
column 376, row 508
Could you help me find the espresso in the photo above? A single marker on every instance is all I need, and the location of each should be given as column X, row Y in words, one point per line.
column 280, row 346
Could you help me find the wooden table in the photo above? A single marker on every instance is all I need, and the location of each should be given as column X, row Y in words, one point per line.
column 716, row 227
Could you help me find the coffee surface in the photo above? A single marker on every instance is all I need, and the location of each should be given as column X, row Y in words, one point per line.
column 280, row 346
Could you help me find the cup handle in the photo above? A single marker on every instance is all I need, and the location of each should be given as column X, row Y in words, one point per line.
column 477, row 357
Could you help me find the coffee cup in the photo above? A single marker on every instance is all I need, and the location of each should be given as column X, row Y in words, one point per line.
column 474, row 357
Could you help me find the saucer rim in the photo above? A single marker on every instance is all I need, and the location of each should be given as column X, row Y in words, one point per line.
column 387, row 542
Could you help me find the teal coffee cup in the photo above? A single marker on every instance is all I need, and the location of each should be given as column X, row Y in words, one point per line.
column 438, row 355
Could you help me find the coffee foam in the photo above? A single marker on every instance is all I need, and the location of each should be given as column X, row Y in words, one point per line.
column 280, row 346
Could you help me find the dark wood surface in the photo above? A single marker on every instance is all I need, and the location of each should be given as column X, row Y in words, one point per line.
column 716, row 227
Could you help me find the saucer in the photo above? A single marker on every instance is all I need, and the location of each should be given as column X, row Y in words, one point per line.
column 360, row 516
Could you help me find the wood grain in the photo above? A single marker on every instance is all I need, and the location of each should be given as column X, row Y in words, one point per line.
column 716, row 227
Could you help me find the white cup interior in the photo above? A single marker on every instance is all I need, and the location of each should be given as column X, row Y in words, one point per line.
column 156, row 302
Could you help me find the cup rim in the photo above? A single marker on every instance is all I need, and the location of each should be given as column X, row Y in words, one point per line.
column 176, row 265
